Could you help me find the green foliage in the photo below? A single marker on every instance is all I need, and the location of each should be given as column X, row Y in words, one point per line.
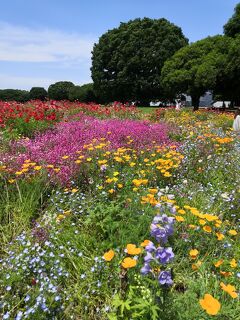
column 60, row 90
column 20, row 202
column 232, row 27
column 196, row 68
column 127, row 61
column 231, row 84
column 14, row 95
column 38, row 93
column 83, row 93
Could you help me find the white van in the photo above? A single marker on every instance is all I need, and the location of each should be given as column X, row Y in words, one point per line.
column 219, row 104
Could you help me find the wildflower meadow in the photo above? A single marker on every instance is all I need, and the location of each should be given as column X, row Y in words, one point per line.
column 117, row 212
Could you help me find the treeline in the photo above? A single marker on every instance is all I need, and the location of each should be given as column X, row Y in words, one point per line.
column 147, row 60
column 62, row 90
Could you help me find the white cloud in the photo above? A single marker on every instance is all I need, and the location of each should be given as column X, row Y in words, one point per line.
column 21, row 44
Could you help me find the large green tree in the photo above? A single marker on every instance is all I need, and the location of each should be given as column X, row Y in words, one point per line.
column 232, row 72
column 127, row 61
column 60, row 90
column 197, row 68
column 232, row 27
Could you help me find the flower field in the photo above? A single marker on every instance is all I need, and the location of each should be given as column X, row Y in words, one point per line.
column 115, row 213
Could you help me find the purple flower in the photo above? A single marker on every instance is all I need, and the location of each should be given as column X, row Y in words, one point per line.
column 165, row 278
column 148, row 257
column 150, row 247
column 159, row 233
column 145, row 269
column 164, row 255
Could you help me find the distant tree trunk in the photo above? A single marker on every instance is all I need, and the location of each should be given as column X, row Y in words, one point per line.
column 195, row 102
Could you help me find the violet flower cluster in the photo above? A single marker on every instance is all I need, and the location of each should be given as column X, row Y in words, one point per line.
column 67, row 138
column 160, row 254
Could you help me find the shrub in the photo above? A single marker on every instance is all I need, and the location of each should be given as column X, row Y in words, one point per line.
column 38, row 93
column 60, row 90
column 14, row 95
column 83, row 93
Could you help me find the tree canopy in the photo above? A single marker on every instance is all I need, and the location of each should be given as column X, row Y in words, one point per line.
column 59, row 90
column 127, row 61
column 14, row 95
column 232, row 27
column 197, row 68
column 82, row 93
column 38, row 93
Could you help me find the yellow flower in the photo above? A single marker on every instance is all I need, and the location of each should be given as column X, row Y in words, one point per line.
column 102, row 162
column 89, row 159
column 192, row 226
column 210, row 304
column 109, row 255
column 181, row 211
column 233, row 263
column 202, row 222
column 153, row 191
column 74, row 190
column 100, row 187
column 65, row 157
column 132, row 164
column 131, row 249
column 120, row 185
column 11, row 180
column 78, row 161
column 116, row 173
column 60, row 217
column 37, row 168
column 67, row 213
column 232, row 232
column 18, row 173
column 111, row 191
column 207, row 229
column 179, row 218
column 167, row 174
column 193, row 253
column 220, row 236
column 210, row 217
column 129, row 263
column 229, row 289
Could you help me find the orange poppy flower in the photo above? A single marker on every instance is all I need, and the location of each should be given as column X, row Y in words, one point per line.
column 229, row 289
column 218, row 263
column 145, row 243
column 193, row 253
column 226, row 273
column 131, row 249
column 108, row 256
column 129, row 263
column 210, row 304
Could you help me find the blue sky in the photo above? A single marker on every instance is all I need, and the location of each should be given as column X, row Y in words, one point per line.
column 44, row 41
